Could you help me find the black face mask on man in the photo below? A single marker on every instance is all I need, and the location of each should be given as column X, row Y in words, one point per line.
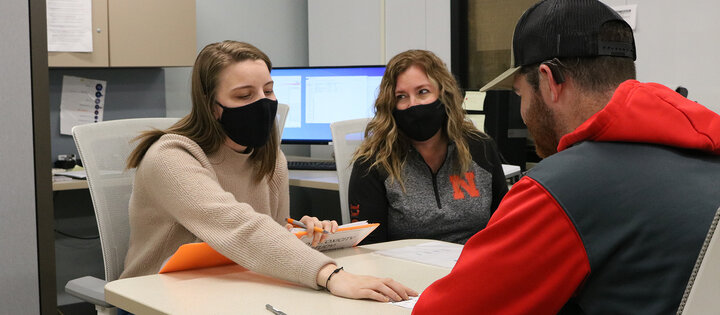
column 249, row 125
column 421, row 122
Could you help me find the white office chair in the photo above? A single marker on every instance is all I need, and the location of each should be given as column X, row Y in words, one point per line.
column 346, row 136
column 702, row 295
column 280, row 117
column 104, row 148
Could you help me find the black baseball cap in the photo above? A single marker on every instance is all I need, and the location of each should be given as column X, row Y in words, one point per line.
column 561, row 28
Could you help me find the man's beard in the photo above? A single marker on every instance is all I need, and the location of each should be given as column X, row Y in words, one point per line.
column 541, row 125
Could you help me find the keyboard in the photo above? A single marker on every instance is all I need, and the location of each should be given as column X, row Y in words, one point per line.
column 312, row 165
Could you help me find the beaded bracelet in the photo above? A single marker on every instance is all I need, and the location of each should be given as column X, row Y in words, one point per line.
column 330, row 276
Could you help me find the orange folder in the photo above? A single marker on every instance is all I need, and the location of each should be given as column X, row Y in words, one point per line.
column 194, row 256
column 201, row 255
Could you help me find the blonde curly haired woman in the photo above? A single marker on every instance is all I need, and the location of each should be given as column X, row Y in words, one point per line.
column 218, row 176
column 423, row 170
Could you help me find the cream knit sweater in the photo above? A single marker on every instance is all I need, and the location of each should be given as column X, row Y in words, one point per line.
column 180, row 195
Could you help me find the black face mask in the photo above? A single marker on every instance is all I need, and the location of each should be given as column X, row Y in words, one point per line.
column 421, row 122
column 249, row 125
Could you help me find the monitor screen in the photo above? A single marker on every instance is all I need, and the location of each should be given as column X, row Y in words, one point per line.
column 318, row 96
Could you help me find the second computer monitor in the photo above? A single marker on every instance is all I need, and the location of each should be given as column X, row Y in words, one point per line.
column 318, row 96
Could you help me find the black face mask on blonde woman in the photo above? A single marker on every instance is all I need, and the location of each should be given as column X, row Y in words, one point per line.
column 420, row 122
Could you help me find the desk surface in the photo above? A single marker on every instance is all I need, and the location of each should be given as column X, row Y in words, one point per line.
column 70, row 184
column 301, row 178
column 329, row 180
column 234, row 290
column 314, row 179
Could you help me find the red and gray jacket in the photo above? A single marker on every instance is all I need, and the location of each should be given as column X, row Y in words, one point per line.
column 612, row 224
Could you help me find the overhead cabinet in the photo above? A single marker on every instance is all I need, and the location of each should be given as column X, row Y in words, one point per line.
column 137, row 33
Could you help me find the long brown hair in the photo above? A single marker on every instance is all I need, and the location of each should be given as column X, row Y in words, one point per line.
column 200, row 125
column 388, row 147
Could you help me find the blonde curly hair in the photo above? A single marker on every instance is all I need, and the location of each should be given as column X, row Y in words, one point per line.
column 388, row 148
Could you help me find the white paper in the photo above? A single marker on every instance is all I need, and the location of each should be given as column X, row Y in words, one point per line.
column 342, row 238
column 474, row 100
column 511, row 170
column 628, row 13
column 409, row 303
column 73, row 174
column 431, row 253
column 82, row 102
column 69, row 25
column 478, row 120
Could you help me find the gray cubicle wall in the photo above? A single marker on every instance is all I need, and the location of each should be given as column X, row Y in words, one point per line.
column 278, row 28
column 26, row 249
column 131, row 93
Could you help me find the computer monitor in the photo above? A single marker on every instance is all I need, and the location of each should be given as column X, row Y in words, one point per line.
column 318, row 96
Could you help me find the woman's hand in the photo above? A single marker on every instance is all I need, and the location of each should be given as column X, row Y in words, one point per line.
column 353, row 286
column 311, row 223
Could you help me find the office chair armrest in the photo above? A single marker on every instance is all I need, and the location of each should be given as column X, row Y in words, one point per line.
column 89, row 289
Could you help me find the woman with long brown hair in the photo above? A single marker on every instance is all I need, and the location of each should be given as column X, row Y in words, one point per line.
column 423, row 170
column 218, row 176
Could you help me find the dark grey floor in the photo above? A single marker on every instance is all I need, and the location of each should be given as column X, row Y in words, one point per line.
column 75, row 257
column 76, row 309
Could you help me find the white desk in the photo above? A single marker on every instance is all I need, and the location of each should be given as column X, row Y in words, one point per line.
column 314, row 179
column 301, row 178
column 69, row 184
column 328, row 179
column 512, row 173
column 309, row 179
column 233, row 290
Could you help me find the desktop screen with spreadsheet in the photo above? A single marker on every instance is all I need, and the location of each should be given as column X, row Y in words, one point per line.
column 318, row 96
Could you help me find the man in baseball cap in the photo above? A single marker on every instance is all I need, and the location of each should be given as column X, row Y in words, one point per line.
column 614, row 217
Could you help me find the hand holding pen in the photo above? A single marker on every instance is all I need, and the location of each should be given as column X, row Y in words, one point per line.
column 316, row 229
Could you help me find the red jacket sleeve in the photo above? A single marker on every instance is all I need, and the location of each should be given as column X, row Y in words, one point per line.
column 528, row 260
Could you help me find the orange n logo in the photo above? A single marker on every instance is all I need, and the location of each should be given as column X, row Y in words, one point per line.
column 468, row 185
column 354, row 210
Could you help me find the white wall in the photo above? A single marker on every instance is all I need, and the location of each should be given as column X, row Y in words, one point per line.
column 345, row 32
column 350, row 32
column 19, row 293
column 277, row 27
column 678, row 43
column 413, row 24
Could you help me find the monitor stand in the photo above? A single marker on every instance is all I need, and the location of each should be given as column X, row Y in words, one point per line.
column 305, row 152
column 322, row 151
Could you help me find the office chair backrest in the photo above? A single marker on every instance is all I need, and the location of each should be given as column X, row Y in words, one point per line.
column 281, row 116
column 346, row 136
column 702, row 294
column 103, row 148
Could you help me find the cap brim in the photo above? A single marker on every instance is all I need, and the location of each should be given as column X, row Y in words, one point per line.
column 502, row 82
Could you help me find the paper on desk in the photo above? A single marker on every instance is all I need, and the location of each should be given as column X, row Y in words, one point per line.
column 478, row 120
column 474, row 100
column 61, row 178
column 347, row 235
column 431, row 253
column 82, row 102
column 79, row 174
column 410, row 303
column 69, row 25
